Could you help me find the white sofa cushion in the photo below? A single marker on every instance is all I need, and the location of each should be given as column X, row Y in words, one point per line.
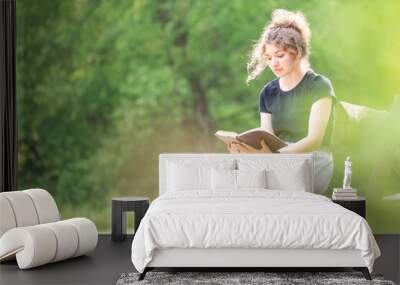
column 40, row 244
column 26, row 208
column 87, row 233
column 45, row 206
column 67, row 239
column 31, row 233
column 32, row 246
column 23, row 208
column 7, row 220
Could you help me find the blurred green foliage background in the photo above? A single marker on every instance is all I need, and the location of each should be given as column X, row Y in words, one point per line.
column 104, row 86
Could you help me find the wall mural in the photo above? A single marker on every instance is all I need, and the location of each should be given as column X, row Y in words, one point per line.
column 104, row 87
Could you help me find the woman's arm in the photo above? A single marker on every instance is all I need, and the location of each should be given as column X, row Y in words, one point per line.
column 266, row 122
column 317, row 123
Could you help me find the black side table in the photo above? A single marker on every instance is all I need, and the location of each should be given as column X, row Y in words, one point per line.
column 121, row 205
column 357, row 205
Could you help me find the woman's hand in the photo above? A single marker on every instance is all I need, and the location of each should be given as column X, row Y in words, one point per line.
column 245, row 148
column 233, row 147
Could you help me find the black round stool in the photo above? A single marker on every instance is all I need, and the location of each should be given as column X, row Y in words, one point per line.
column 121, row 205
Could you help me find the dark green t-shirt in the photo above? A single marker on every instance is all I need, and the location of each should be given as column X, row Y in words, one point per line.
column 291, row 109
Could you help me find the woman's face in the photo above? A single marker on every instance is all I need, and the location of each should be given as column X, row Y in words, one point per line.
column 281, row 61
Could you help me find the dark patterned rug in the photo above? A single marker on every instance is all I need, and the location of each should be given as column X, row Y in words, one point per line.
column 230, row 278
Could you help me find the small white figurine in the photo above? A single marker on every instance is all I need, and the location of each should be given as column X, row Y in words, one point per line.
column 347, row 174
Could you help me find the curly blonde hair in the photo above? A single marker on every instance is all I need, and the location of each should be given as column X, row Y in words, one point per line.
column 287, row 29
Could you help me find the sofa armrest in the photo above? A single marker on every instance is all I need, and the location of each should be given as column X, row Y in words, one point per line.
column 40, row 244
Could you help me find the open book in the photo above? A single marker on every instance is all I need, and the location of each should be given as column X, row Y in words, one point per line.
column 253, row 138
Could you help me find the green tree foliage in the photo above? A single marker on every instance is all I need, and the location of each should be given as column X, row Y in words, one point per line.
column 103, row 87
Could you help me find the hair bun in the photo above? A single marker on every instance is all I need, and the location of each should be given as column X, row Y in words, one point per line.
column 286, row 29
column 286, row 19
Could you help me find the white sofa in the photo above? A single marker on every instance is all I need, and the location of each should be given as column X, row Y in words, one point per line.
column 31, row 231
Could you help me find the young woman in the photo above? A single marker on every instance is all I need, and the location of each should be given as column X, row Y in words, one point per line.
column 298, row 105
